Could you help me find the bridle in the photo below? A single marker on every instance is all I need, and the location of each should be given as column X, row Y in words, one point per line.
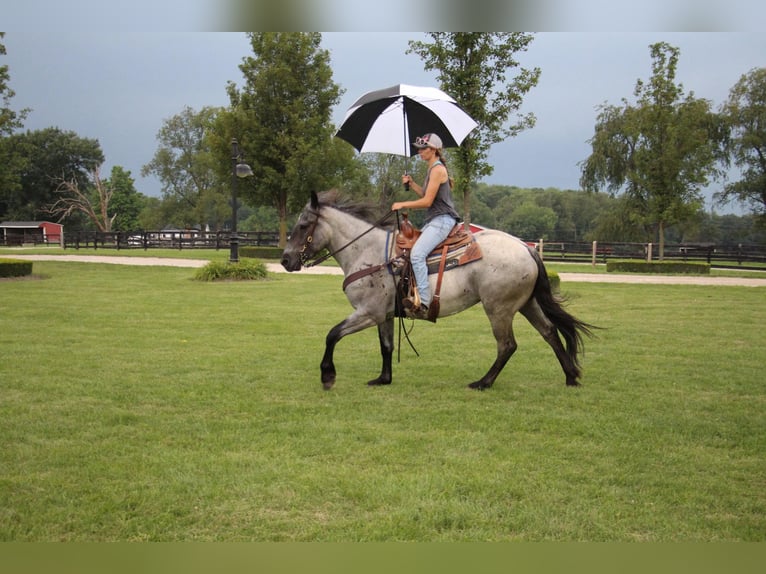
column 306, row 259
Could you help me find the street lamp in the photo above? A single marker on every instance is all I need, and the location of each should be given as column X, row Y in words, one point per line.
column 239, row 170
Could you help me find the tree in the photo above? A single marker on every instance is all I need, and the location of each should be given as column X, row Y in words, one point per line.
column 47, row 157
column 745, row 115
column 281, row 119
column 9, row 119
column 11, row 163
column 531, row 221
column 126, row 203
column 188, row 167
column 473, row 68
column 662, row 151
column 92, row 201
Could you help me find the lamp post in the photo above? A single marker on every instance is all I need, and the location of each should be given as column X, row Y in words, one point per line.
column 239, row 170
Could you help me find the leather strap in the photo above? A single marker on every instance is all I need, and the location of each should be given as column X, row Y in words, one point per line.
column 361, row 273
column 433, row 310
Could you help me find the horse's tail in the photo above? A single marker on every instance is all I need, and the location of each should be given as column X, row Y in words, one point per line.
column 570, row 328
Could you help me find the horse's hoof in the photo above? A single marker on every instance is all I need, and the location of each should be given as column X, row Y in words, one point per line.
column 572, row 383
column 479, row 386
column 328, row 385
column 378, row 383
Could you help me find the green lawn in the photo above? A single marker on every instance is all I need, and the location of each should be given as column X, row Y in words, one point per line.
column 138, row 404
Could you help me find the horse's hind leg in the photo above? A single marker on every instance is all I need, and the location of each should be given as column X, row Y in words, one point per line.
column 502, row 328
column 535, row 315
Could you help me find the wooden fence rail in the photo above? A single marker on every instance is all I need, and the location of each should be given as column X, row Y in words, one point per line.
column 741, row 256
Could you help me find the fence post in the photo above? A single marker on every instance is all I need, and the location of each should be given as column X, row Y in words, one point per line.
column 649, row 252
column 540, row 249
column 593, row 254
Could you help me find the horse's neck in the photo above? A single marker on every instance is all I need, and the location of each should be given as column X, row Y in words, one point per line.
column 364, row 247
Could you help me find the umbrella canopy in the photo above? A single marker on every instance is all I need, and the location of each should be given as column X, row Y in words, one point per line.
column 389, row 120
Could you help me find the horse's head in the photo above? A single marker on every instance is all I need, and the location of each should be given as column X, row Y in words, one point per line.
column 304, row 243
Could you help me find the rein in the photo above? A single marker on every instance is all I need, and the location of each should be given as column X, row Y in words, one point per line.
column 310, row 239
column 354, row 276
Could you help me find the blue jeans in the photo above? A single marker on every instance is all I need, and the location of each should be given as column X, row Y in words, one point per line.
column 433, row 233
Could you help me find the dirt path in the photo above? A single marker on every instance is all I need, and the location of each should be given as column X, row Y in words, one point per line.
column 277, row 268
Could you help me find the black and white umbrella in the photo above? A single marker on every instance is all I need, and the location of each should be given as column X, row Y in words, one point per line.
column 389, row 120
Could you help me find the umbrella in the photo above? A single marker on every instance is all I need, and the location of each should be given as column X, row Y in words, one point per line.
column 389, row 120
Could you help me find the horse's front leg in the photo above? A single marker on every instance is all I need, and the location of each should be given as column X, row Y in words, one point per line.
column 351, row 324
column 386, row 336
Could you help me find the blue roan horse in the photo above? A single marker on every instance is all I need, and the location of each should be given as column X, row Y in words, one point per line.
column 510, row 277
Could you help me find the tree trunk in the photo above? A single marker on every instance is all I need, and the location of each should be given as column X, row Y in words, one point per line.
column 661, row 232
column 282, row 232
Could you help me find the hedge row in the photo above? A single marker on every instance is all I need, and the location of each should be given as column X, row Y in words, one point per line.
column 638, row 266
column 260, row 252
column 15, row 268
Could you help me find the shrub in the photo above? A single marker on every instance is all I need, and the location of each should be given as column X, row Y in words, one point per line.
column 638, row 266
column 554, row 280
column 260, row 252
column 15, row 268
column 225, row 271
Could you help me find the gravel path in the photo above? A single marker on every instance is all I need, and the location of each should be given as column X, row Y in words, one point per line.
column 277, row 268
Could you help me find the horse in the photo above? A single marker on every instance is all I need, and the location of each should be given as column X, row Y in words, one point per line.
column 510, row 277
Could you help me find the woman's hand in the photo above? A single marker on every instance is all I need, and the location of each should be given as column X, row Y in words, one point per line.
column 407, row 179
column 397, row 206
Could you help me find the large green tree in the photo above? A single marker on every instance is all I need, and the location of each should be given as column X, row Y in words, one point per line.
column 281, row 119
column 745, row 116
column 127, row 203
column 187, row 166
column 47, row 157
column 475, row 68
column 661, row 151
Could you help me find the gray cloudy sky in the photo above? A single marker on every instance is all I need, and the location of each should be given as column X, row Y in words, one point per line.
column 119, row 85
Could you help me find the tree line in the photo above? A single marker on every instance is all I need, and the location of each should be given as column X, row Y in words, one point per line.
column 651, row 155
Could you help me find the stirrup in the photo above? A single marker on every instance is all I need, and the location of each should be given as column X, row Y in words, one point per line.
column 414, row 311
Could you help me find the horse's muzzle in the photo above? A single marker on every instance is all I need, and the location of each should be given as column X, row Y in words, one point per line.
column 291, row 263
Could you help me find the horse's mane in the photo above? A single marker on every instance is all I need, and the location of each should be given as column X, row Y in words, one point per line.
column 364, row 210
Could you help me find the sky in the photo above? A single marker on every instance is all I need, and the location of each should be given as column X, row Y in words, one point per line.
column 119, row 85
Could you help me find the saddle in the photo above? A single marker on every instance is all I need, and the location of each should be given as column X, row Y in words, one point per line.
column 459, row 248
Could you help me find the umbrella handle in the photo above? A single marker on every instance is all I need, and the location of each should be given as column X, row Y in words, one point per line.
column 406, row 185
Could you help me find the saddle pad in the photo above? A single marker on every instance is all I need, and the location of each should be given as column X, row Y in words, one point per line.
column 460, row 256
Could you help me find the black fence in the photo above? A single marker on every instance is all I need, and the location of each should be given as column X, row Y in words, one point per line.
column 166, row 239
column 35, row 237
column 738, row 256
column 735, row 256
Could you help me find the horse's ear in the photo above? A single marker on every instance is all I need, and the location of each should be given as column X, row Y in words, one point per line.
column 314, row 200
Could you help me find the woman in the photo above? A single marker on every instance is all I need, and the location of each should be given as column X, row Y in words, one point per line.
column 441, row 217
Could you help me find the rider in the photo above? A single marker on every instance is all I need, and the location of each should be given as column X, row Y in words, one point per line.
column 441, row 217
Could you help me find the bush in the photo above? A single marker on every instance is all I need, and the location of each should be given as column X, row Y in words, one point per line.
column 260, row 252
column 15, row 268
column 638, row 266
column 554, row 280
column 225, row 271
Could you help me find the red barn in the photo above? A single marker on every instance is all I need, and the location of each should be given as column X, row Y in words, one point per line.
column 35, row 232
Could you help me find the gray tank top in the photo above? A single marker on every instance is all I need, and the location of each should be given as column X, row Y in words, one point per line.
column 442, row 204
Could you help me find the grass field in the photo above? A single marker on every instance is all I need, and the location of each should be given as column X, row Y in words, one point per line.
column 140, row 405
